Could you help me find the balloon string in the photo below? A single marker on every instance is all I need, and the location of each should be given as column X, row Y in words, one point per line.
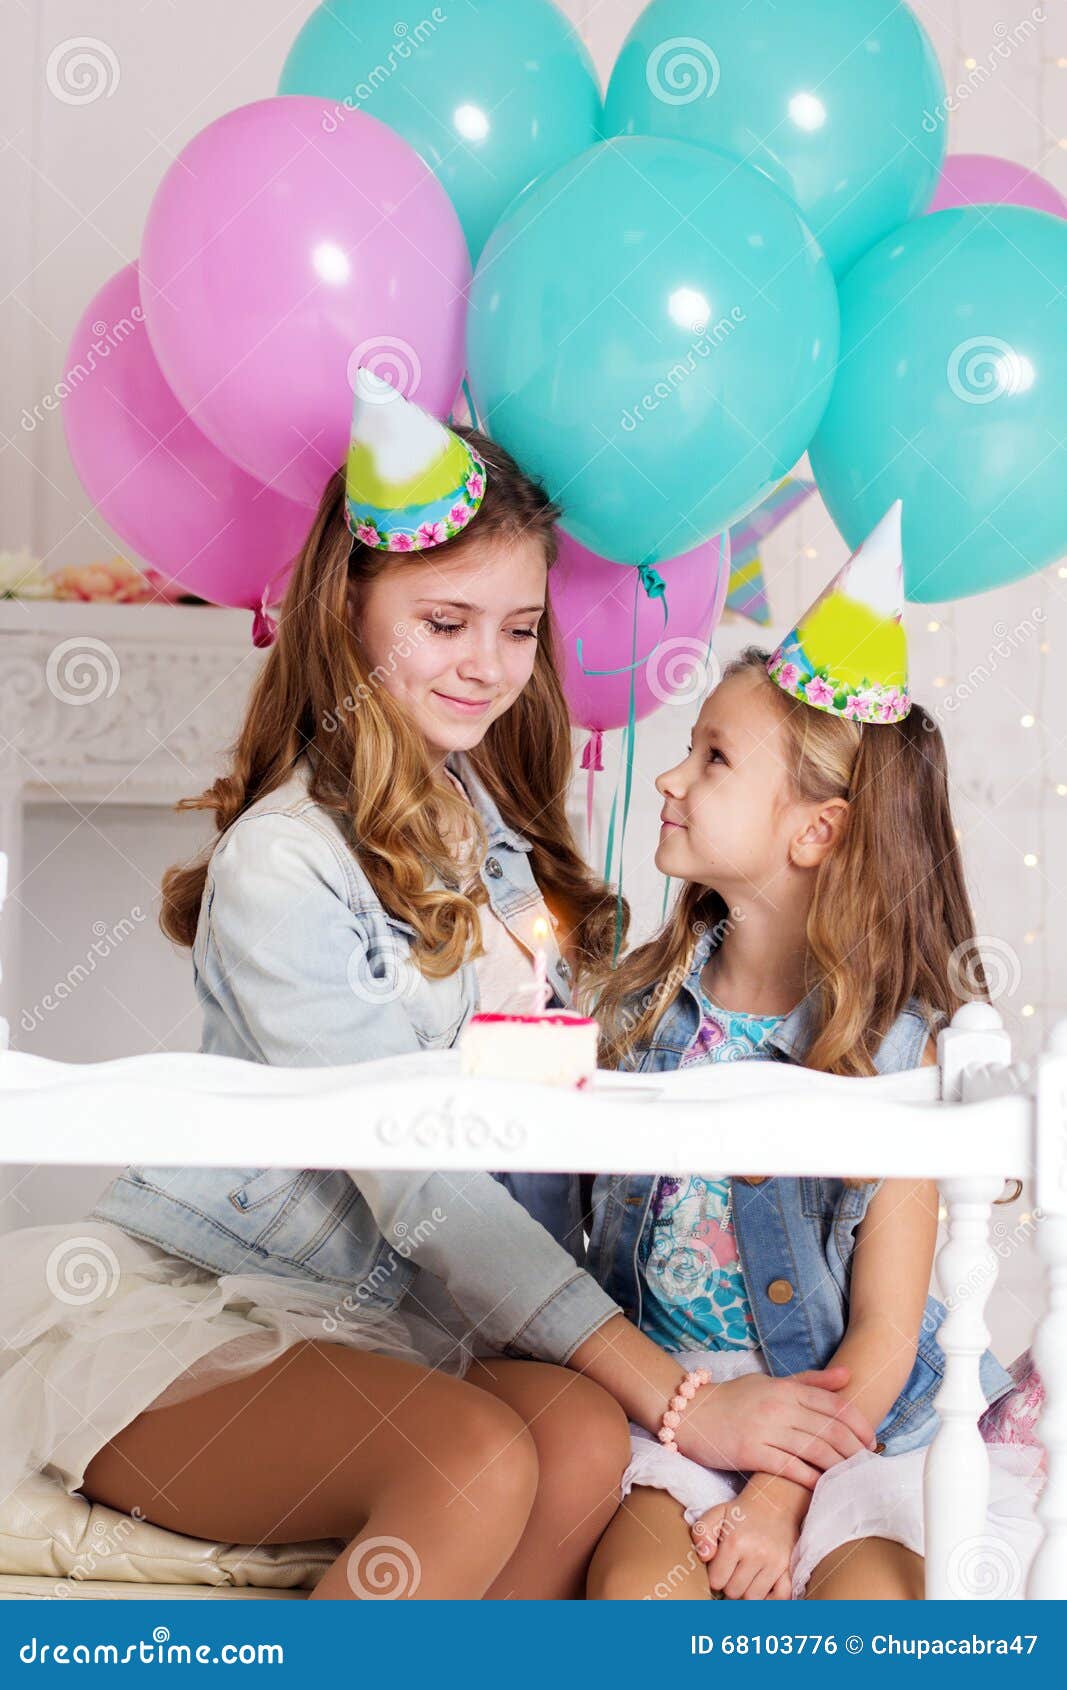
column 471, row 405
column 631, row 738
column 656, row 588
column 725, row 553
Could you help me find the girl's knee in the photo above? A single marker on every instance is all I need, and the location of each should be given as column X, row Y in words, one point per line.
column 492, row 1456
column 583, row 1440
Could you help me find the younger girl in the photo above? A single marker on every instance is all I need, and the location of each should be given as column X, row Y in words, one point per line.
column 823, row 920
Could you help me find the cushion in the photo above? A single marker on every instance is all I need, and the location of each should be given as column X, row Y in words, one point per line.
column 46, row 1531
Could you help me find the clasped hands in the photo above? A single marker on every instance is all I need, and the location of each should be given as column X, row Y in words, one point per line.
column 785, row 1433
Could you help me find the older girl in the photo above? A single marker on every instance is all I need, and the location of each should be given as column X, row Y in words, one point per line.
column 280, row 1355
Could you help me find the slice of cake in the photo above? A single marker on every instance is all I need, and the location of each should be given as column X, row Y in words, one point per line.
column 558, row 1048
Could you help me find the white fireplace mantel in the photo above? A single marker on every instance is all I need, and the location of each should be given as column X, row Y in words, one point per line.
column 127, row 704
column 111, row 704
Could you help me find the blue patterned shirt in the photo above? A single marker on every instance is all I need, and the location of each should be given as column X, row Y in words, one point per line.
column 694, row 1294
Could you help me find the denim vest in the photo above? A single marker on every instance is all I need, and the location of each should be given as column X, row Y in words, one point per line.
column 795, row 1233
column 297, row 963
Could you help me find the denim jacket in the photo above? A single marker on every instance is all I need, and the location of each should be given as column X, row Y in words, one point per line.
column 297, row 963
column 795, row 1237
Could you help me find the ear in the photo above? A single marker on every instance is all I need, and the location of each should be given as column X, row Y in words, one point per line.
column 822, row 829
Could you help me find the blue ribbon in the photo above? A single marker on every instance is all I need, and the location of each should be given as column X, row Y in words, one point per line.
column 470, row 406
column 656, row 588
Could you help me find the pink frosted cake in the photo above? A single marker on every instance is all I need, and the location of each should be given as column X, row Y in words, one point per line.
column 557, row 1048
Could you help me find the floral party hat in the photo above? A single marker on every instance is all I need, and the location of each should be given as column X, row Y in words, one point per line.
column 410, row 481
column 848, row 654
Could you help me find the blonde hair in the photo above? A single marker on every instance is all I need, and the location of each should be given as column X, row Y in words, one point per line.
column 890, row 917
column 371, row 767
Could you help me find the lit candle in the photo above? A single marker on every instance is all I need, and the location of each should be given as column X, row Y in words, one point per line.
column 540, row 988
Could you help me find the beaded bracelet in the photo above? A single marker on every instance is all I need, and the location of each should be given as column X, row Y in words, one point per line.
column 672, row 1417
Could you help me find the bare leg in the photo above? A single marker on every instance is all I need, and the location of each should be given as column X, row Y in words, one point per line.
column 868, row 1569
column 583, row 1445
column 333, row 1442
column 647, row 1551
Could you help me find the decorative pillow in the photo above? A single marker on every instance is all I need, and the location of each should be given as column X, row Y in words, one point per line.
column 44, row 1531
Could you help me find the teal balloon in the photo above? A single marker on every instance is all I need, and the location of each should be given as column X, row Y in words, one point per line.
column 495, row 94
column 652, row 332
column 951, row 394
column 841, row 102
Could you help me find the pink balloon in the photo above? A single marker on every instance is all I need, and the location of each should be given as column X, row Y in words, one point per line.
column 174, row 498
column 593, row 598
column 981, row 179
column 289, row 241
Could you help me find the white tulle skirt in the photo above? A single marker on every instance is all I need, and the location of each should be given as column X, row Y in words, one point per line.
column 866, row 1496
column 97, row 1326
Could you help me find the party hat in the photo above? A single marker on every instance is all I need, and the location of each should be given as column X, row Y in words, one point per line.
column 410, row 482
column 848, row 654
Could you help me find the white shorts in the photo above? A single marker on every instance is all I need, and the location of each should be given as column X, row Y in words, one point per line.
column 866, row 1496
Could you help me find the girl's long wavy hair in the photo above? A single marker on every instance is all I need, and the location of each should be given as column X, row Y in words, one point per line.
column 890, row 918
column 369, row 765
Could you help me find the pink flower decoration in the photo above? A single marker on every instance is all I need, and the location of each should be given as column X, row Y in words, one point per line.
column 855, row 708
column 366, row 532
column 116, row 581
column 431, row 533
column 788, row 675
column 818, row 693
column 401, row 543
column 475, row 485
column 460, row 515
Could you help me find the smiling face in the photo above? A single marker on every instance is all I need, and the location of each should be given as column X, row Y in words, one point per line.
column 731, row 812
column 454, row 640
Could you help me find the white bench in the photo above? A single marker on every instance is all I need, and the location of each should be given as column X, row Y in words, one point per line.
column 970, row 1123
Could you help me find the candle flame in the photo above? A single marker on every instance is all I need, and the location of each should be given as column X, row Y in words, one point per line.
column 540, row 929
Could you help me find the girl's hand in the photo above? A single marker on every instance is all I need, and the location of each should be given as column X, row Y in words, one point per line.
column 747, row 1543
column 795, row 1427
